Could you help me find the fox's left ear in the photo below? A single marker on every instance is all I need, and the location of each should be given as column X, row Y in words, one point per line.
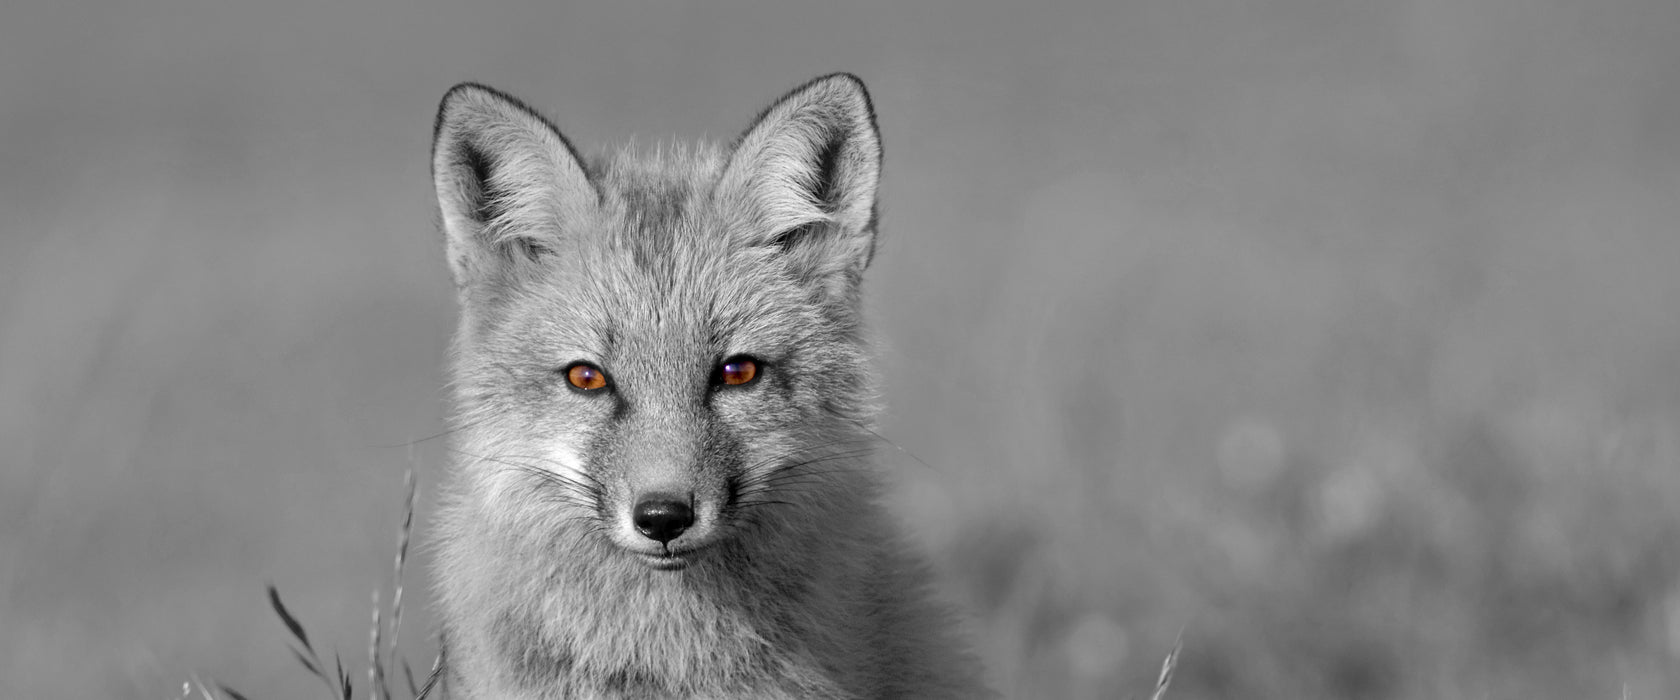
column 803, row 179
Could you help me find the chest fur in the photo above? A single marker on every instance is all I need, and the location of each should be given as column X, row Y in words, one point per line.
column 627, row 631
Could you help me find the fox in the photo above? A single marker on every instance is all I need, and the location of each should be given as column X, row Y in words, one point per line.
column 663, row 479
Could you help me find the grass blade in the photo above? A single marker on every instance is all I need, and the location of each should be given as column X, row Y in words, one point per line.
column 306, row 664
column 1167, row 668
column 332, row 688
column 432, row 680
column 313, row 660
column 397, row 584
column 375, row 673
column 343, row 678
column 286, row 617
column 236, row 695
column 408, row 674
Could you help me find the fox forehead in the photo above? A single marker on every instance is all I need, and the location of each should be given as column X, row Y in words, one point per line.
column 657, row 269
column 650, row 200
column 612, row 309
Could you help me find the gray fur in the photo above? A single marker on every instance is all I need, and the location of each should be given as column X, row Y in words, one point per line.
column 656, row 268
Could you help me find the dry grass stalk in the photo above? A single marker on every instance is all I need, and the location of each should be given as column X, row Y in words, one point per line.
column 382, row 638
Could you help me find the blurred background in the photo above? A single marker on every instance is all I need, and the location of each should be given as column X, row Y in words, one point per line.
column 1342, row 337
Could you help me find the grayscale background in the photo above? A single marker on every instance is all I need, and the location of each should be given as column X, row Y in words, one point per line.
column 1343, row 337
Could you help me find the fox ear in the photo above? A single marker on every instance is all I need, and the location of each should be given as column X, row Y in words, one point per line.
column 804, row 177
column 508, row 184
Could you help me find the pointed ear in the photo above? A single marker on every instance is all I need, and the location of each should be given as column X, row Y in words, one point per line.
column 508, row 183
column 804, row 177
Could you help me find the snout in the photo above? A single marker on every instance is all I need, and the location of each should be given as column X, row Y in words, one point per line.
column 667, row 528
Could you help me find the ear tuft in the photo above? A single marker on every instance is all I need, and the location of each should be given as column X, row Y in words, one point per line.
column 804, row 178
column 508, row 184
column 478, row 168
column 828, row 160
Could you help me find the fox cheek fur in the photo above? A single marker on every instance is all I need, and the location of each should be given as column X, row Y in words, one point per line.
column 694, row 514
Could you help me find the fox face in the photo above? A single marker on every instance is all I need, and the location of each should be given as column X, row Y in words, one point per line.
column 659, row 357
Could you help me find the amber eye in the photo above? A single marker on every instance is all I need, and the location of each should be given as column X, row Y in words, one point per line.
column 738, row 370
column 586, row 376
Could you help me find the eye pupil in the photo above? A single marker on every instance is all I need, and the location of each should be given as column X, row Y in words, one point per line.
column 738, row 372
column 586, row 377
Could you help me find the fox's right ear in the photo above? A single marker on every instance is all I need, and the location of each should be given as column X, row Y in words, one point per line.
column 508, row 184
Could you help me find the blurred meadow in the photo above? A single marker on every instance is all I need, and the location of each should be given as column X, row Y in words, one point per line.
column 1342, row 337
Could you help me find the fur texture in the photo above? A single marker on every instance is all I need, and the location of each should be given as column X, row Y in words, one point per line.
column 657, row 269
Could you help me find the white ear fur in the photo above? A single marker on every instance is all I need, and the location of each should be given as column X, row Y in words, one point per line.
column 506, row 181
column 804, row 177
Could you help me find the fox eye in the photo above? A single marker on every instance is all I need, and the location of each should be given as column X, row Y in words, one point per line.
column 586, row 377
column 737, row 371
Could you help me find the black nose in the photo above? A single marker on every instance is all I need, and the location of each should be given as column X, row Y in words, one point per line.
column 662, row 517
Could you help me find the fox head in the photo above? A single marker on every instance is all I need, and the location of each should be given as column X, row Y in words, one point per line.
column 659, row 356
